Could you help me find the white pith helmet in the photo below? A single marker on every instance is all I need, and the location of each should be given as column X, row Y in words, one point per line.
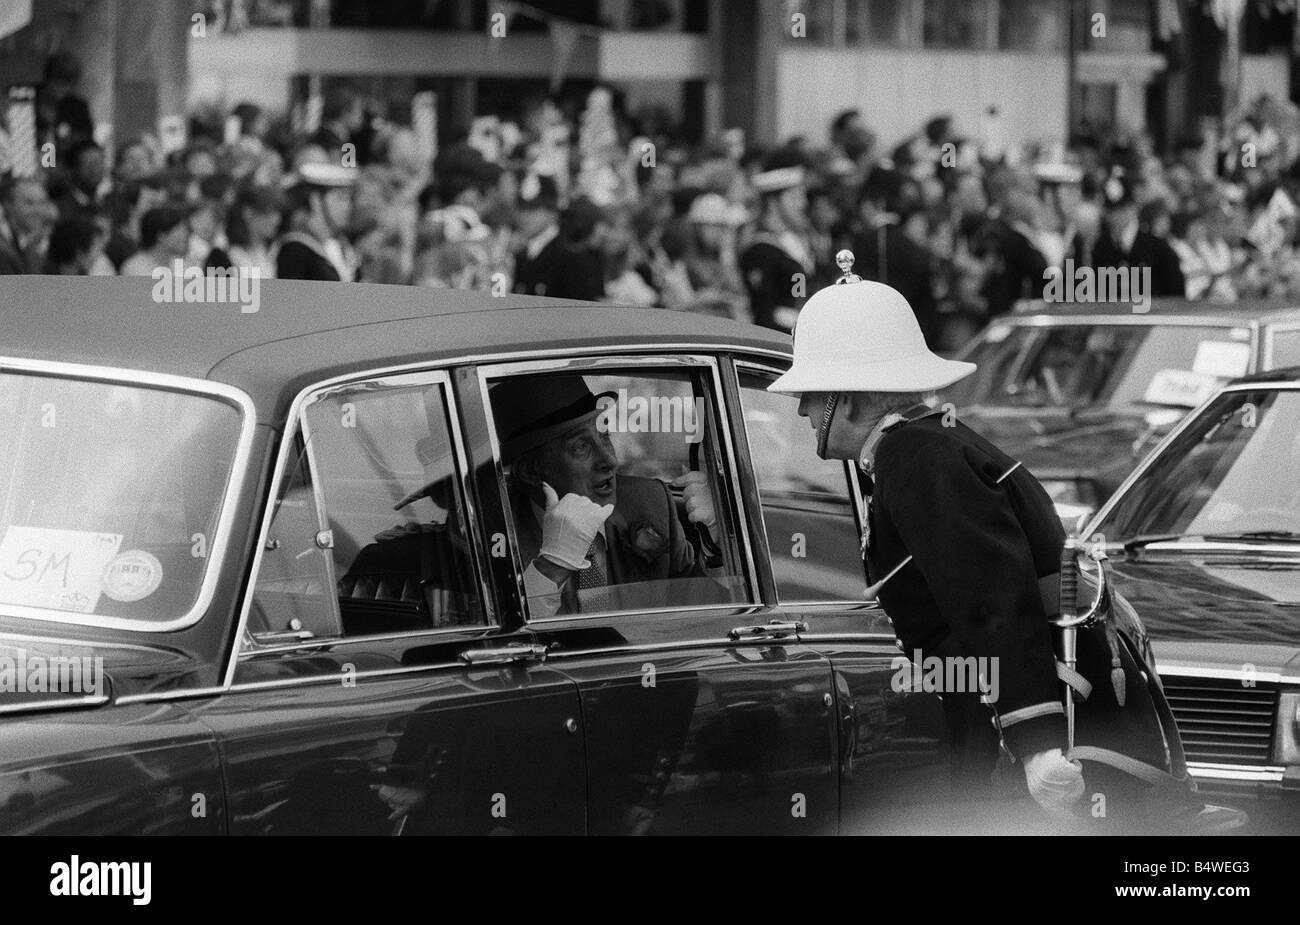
column 863, row 337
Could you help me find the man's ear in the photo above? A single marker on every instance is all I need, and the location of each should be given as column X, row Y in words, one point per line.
column 526, row 471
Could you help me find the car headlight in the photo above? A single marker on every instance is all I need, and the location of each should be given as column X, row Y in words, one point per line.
column 1288, row 728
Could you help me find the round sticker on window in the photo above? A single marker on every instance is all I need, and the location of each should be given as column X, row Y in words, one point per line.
column 132, row 576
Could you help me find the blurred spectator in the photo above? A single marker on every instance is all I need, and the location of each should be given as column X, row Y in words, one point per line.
column 76, row 244
column 539, row 232
column 164, row 239
column 26, row 218
column 1131, row 242
column 885, row 253
column 84, row 180
column 776, row 261
column 317, row 209
column 254, row 222
column 62, row 116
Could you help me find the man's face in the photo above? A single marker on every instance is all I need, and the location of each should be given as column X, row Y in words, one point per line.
column 175, row 243
column 30, row 210
column 845, row 434
column 90, row 169
column 583, row 462
column 337, row 207
column 793, row 206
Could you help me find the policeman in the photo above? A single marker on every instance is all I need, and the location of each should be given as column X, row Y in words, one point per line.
column 960, row 543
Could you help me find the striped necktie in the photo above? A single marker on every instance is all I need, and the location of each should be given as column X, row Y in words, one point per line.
column 593, row 582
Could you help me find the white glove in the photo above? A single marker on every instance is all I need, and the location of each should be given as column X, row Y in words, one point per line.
column 1055, row 783
column 569, row 526
column 698, row 498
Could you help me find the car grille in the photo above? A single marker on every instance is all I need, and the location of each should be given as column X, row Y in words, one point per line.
column 1221, row 721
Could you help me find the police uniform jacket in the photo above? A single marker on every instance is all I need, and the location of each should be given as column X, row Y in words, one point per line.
column 979, row 548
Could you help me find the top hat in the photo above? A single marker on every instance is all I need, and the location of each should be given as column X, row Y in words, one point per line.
column 531, row 410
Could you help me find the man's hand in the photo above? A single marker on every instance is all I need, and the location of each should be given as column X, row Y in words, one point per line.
column 1055, row 783
column 569, row 526
column 698, row 498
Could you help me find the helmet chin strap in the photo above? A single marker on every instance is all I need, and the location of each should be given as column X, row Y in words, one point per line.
column 824, row 429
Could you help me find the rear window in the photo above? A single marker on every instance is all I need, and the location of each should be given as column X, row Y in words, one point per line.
column 110, row 496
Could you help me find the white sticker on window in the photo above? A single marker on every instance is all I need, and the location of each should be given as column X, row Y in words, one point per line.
column 1179, row 387
column 55, row 569
column 132, row 576
column 1221, row 358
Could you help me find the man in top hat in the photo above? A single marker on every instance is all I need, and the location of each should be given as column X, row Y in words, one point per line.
column 318, row 208
column 587, row 534
column 776, row 262
column 960, row 543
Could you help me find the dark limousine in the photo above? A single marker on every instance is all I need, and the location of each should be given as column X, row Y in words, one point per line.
column 280, row 571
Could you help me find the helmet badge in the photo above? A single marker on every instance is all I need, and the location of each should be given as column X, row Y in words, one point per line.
column 844, row 260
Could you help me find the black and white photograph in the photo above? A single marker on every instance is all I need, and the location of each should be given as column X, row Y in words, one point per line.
column 652, row 417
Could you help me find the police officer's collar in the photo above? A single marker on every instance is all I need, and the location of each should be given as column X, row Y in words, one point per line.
column 888, row 422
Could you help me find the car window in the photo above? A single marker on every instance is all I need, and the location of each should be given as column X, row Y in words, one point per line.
column 807, row 504
column 642, row 442
column 112, row 496
column 1123, row 367
column 1286, row 349
column 371, row 510
column 1227, row 473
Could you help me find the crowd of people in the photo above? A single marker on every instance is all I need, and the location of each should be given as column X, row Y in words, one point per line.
column 599, row 204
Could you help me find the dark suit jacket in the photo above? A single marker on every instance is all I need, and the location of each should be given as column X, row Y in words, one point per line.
column 645, row 541
column 1147, row 251
column 562, row 272
column 887, row 255
column 296, row 260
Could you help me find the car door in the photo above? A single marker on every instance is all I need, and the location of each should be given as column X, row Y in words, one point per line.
column 375, row 689
column 703, row 712
column 892, row 758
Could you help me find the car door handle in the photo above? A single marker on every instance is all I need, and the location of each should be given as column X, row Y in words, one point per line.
column 505, row 655
column 777, row 629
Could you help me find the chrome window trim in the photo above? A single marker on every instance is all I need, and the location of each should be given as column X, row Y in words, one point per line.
column 615, row 361
column 1041, row 319
column 70, row 703
column 218, row 549
column 187, row 693
column 851, row 483
column 1268, row 774
column 1158, row 450
column 421, row 375
column 324, row 642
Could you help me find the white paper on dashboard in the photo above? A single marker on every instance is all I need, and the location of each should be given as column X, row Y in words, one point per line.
column 55, row 569
column 1179, row 387
column 1221, row 358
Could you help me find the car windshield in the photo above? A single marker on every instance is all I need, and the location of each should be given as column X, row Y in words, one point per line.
column 1129, row 368
column 109, row 496
column 1232, row 472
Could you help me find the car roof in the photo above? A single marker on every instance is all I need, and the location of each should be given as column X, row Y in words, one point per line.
column 1283, row 375
column 1263, row 310
column 304, row 332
